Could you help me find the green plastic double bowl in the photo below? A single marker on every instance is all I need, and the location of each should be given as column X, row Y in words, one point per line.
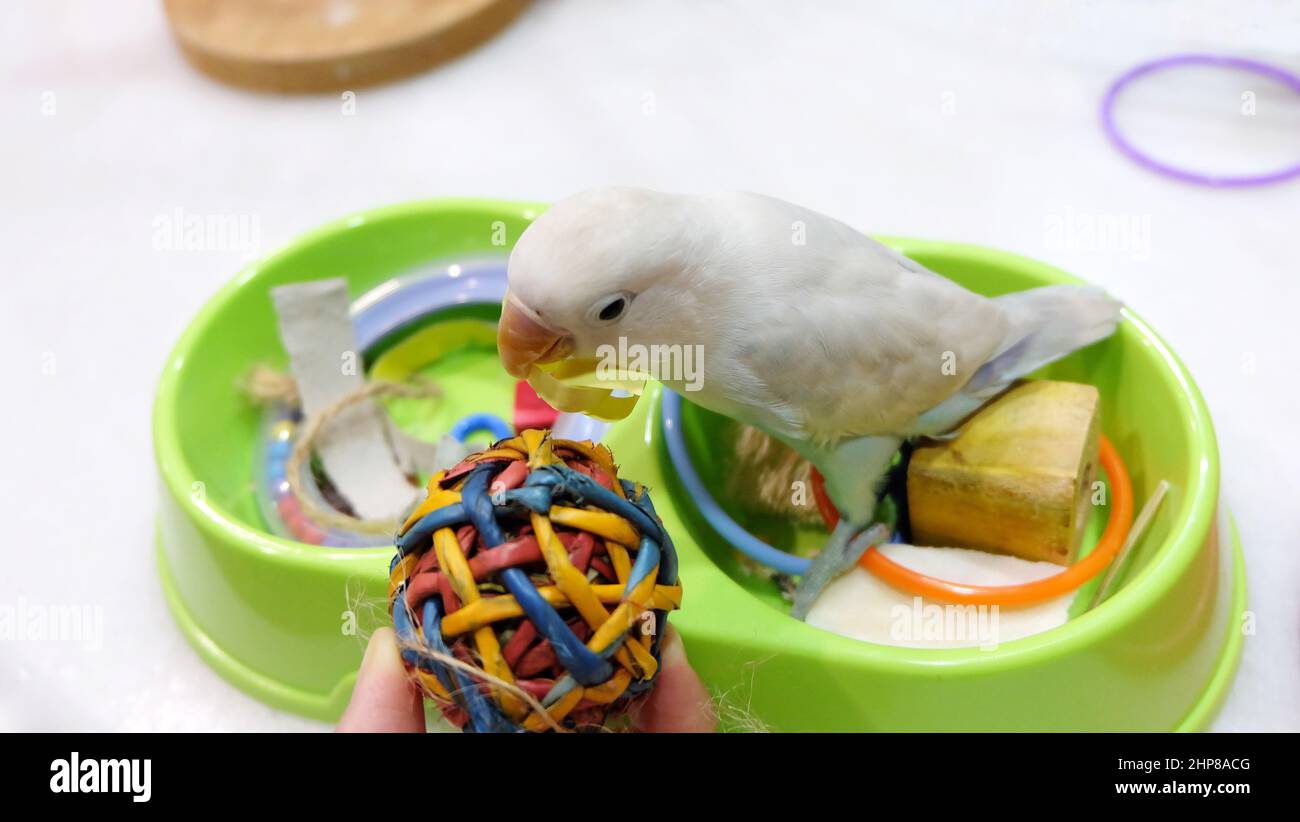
column 283, row 620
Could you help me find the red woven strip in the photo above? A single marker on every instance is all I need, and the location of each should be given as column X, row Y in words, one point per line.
column 538, row 688
column 595, row 473
column 540, row 658
column 512, row 476
column 427, row 580
column 518, row 644
column 450, row 602
column 603, row 568
column 580, row 546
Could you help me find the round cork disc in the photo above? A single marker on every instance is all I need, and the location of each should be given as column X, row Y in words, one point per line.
column 329, row 45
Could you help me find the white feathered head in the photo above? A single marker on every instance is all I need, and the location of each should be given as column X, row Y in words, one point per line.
column 597, row 266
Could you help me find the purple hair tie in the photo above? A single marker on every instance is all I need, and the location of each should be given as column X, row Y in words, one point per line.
column 1147, row 161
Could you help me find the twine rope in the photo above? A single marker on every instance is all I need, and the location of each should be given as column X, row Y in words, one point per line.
column 266, row 385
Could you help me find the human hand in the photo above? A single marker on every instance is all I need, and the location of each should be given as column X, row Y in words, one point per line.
column 385, row 698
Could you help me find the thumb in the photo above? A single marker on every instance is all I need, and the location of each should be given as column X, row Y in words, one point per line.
column 384, row 698
column 679, row 702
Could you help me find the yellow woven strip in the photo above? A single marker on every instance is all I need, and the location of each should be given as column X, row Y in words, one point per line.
column 425, row 507
column 622, row 563
column 538, row 445
column 475, row 616
column 435, row 481
column 628, row 611
column 401, row 573
column 600, row 523
column 494, row 609
column 431, row 683
column 515, row 443
column 489, row 650
column 609, row 690
column 558, row 711
column 453, row 563
column 624, row 617
column 572, row 582
column 641, row 598
column 437, row 498
column 575, row 585
column 666, row 598
column 644, row 665
column 498, row 453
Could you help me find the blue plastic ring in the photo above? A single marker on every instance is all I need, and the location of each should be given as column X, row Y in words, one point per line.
column 670, row 414
column 483, row 421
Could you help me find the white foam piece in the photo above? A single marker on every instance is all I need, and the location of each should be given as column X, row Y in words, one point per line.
column 860, row 605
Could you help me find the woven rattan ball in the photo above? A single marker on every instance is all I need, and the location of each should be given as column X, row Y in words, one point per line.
column 531, row 588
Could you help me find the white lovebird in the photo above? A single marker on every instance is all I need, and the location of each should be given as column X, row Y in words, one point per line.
column 810, row 330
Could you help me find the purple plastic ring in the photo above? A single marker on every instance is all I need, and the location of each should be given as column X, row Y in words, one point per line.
column 1281, row 75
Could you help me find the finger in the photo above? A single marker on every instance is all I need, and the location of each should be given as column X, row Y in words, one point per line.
column 679, row 702
column 384, row 698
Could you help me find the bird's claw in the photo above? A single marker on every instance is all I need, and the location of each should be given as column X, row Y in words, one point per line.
column 842, row 550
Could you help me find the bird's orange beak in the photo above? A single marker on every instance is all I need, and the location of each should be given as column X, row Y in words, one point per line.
column 523, row 340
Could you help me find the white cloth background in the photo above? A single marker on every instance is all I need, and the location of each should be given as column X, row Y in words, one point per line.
column 909, row 118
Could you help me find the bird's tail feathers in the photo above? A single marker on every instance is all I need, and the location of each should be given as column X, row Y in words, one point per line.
column 1046, row 324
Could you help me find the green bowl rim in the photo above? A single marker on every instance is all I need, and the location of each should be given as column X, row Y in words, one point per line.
column 1195, row 515
column 215, row 519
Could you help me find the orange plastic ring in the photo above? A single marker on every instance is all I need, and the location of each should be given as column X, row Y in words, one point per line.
column 1112, row 538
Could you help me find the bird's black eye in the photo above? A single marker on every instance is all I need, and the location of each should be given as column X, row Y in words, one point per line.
column 609, row 308
column 613, row 310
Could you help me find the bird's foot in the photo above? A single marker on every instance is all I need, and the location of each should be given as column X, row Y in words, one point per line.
column 846, row 543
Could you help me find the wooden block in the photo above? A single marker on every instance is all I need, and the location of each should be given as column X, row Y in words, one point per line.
column 329, row 45
column 1017, row 480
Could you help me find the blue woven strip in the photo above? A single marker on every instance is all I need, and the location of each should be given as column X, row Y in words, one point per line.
column 580, row 488
column 668, row 557
column 561, row 687
column 667, row 576
column 647, row 557
column 483, row 714
column 422, row 531
column 478, row 505
column 406, row 631
column 537, row 498
column 586, row 666
column 640, row 510
column 567, row 683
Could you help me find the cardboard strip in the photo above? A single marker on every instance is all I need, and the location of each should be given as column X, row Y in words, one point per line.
column 354, row 447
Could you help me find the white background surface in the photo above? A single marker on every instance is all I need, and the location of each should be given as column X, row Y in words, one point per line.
column 975, row 123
